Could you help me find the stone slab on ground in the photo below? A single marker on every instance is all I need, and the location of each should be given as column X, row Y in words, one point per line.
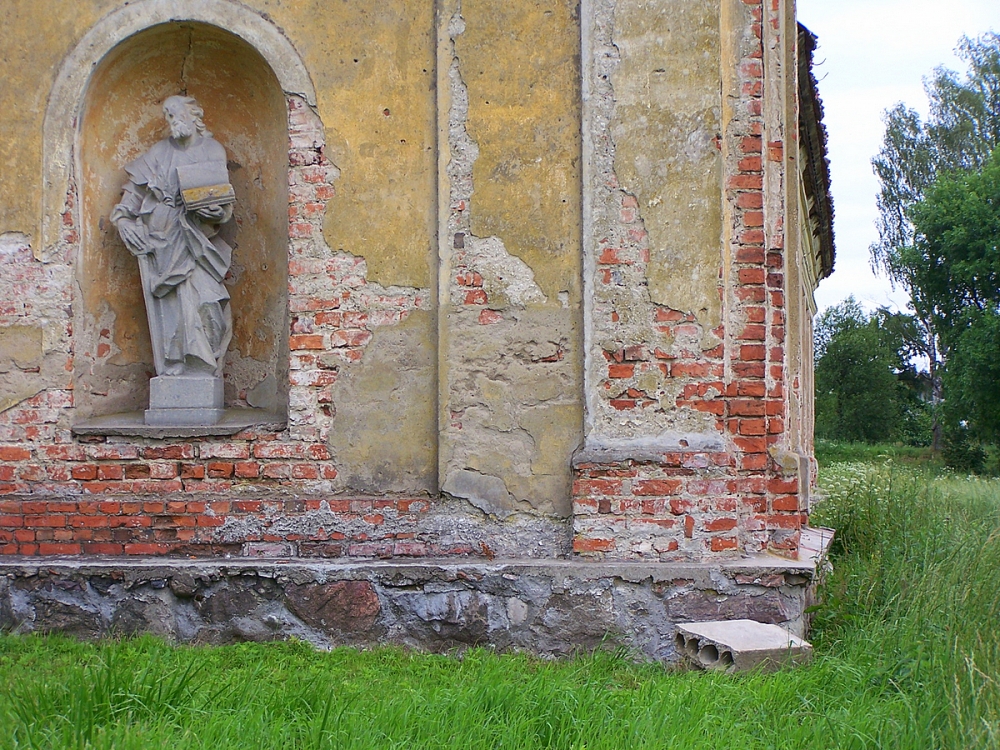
column 740, row 645
column 547, row 607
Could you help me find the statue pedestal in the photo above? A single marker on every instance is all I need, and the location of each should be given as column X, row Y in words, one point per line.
column 184, row 400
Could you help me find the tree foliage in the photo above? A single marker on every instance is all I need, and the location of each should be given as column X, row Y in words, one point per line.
column 954, row 259
column 961, row 132
column 867, row 389
column 959, row 136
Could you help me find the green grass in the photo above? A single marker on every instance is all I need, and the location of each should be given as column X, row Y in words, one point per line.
column 907, row 656
column 831, row 451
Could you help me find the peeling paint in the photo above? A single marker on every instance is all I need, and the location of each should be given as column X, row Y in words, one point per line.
column 507, row 280
column 527, row 174
column 374, row 69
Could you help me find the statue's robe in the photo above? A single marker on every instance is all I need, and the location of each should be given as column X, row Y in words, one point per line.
column 191, row 313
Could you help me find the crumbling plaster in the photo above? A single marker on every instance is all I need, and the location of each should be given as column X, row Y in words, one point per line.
column 373, row 216
column 511, row 412
column 666, row 127
column 652, row 227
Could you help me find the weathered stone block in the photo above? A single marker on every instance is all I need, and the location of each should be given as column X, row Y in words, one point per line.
column 348, row 608
column 68, row 618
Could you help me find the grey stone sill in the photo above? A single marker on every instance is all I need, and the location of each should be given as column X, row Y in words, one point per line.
column 132, row 424
column 603, row 450
column 142, row 568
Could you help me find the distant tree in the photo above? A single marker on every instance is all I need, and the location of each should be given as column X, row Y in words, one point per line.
column 867, row 388
column 962, row 131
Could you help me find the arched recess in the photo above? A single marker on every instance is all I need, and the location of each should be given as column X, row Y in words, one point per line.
column 118, row 116
column 66, row 98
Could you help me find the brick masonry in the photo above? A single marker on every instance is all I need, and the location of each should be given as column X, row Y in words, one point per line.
column 134, row 496
column 736, row 499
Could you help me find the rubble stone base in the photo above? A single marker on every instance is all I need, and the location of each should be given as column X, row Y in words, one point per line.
column 546, row 607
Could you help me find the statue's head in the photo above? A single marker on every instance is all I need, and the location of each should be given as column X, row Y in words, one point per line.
column 184, row 116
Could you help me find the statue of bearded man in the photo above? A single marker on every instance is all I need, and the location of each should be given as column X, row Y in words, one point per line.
column 176, row 198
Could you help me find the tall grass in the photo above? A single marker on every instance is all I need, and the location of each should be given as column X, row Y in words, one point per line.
column 918, row 560
column 906, row 657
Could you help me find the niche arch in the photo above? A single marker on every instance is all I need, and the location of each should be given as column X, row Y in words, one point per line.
column 117, row 116
column 66, row 98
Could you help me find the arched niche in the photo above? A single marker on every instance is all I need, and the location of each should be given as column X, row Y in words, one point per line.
column 120, row 118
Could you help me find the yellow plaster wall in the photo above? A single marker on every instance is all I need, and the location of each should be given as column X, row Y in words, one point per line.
column 365, row 59
column 520, row 63
column 373, row 68
column 668, row 94
column 34, row 38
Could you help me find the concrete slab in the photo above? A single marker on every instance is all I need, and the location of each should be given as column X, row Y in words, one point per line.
column 814, row 543
column 740, row 645
column 198, row 416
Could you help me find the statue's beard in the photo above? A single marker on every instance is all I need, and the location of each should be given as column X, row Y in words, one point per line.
column 181, row 130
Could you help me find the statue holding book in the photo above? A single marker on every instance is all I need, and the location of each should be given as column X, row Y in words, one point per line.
column 177, row 197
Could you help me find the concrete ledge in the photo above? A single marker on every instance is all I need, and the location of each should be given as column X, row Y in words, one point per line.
column 645, row 450
column 133, row 424
column 547, row 607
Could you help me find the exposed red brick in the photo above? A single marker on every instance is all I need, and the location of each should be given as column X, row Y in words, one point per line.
column 581, row 544
column 722, row 544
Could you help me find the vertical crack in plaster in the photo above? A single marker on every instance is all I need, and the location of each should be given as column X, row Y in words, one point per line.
column 187, row 63
column 507, row 280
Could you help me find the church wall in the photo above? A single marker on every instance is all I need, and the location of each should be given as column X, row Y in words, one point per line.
column 535, row 294
column 686, row 451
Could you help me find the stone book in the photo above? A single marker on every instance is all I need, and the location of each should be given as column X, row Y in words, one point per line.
column 205, row 184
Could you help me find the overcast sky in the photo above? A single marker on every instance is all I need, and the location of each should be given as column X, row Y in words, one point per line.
column 873, row 54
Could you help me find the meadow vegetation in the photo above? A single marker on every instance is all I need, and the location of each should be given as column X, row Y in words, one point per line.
column 907, row 656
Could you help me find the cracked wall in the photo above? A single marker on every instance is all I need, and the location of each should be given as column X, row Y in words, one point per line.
column 687, row 451
column 448, row 251
column 666, row 125
column 374, row 64
column 511, row 412
column 656, row 353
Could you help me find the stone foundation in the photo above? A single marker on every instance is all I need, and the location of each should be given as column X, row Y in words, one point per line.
column 550, row 608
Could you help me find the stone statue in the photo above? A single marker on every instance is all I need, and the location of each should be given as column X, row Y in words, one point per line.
column 177, row 197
